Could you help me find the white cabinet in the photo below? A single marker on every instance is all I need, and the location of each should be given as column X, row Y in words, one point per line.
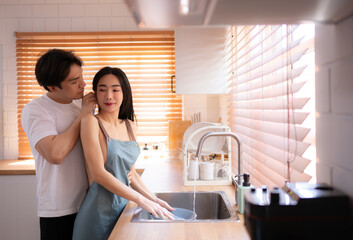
column 200, row 60
column 18, row 218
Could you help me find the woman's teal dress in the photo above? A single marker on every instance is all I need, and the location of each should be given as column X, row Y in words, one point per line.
column 101, row 208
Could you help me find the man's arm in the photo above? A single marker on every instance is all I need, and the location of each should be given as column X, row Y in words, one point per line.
column 55, row 148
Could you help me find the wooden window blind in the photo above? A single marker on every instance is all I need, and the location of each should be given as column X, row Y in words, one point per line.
column 271, row 103
column 147, row 57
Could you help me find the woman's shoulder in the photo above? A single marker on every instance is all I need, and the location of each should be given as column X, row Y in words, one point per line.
column 88, row 119
column 132, row 123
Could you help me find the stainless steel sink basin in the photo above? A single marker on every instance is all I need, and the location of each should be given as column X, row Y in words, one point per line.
column 209, row 206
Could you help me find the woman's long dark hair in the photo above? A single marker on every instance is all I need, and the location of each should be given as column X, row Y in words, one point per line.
column 126, row 108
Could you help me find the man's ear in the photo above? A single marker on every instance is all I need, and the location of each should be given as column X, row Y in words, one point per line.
column 52, row 88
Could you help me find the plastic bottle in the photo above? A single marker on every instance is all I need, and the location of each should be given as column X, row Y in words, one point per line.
column 240, row 193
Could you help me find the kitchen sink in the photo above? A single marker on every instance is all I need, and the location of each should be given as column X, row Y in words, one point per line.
column 209, row 206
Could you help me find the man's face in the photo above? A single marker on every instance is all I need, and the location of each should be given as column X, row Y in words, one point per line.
column 72, row 87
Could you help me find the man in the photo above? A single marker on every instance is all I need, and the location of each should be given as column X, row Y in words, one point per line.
column 52, row 125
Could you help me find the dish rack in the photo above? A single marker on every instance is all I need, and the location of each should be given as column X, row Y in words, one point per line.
column 215, row 150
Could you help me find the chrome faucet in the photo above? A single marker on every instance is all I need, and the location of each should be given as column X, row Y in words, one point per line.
column 215, row 134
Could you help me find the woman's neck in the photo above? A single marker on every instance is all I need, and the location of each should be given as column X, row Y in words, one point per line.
column 110, row 117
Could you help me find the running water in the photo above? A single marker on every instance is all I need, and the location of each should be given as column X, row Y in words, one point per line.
column 196, row 169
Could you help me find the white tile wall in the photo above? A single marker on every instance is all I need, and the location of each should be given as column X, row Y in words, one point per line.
column 118, row 23
column 38, row 25
column 342, row 86
column 77, row 24
column 334, row 97
column 342, row 139
column 19, row 11
column 130, row 23
column 85, row 1
column 91, row 23
column 51, row 24
column 324, row 172
column 64, row 24
column 10, row 117
column 342, row 179
column 25, row 25
column 30, row 1
column 104, row 24
column 322, row 90
column 58, row 1
column 48, row 15
column 71, row 10
column 326, row 35
column 97, row 10
column 344, row 39
column 42, row 11
column 2, row 29
column 6, row 2
column 120, row 10
column 323, row 139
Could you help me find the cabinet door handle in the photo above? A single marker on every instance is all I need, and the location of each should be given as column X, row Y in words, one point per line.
column 171, row 83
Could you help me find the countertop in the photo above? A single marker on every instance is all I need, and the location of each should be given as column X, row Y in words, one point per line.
column 17, row 167
column 163, row 173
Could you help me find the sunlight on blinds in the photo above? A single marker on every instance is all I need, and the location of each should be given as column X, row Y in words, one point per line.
column 271, row 102
column 147, row 57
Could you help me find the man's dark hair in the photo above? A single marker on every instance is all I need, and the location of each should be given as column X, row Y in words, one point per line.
column 54, row 66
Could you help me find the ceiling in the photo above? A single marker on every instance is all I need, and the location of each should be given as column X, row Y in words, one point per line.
column 166, row 13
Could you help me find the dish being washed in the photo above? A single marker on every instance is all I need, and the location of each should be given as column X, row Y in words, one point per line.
column 180, row 214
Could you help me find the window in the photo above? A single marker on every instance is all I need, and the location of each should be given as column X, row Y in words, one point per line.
column 147, row 57
column 271, row 103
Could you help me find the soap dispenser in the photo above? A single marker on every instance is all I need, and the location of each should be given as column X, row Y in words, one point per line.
column 245, row 186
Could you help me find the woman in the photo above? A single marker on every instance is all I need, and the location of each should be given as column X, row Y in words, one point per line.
column 110, row 150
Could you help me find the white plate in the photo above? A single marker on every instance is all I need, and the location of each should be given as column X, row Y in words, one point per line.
column 181, row 214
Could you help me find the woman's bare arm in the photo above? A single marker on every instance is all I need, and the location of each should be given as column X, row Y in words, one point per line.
column 96, row 171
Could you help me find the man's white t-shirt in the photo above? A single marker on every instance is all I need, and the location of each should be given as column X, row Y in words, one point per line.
column 61, row 188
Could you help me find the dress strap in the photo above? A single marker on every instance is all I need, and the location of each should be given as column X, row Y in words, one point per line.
column 129, row 130
column 102, row 127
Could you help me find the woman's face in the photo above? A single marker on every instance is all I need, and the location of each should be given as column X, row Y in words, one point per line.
column 109, row 93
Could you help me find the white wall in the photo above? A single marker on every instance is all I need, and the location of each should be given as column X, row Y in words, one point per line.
column 207, row 105
column 1, row 112
column 18, row 218
column 334, row 104
column 47, row 16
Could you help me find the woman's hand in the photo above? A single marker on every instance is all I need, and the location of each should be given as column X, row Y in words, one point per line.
column 155, row 209
column 164, row 204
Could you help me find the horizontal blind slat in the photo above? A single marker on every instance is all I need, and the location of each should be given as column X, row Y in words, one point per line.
column 280, row 116
column 278, row 129
column 271, row 92
column 267, row 80
column 297, row 103
column 272, row 140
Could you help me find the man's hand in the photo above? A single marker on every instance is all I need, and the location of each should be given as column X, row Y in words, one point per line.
column 88, row 103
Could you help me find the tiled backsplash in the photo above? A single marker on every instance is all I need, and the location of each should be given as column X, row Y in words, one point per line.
column 334, row 104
